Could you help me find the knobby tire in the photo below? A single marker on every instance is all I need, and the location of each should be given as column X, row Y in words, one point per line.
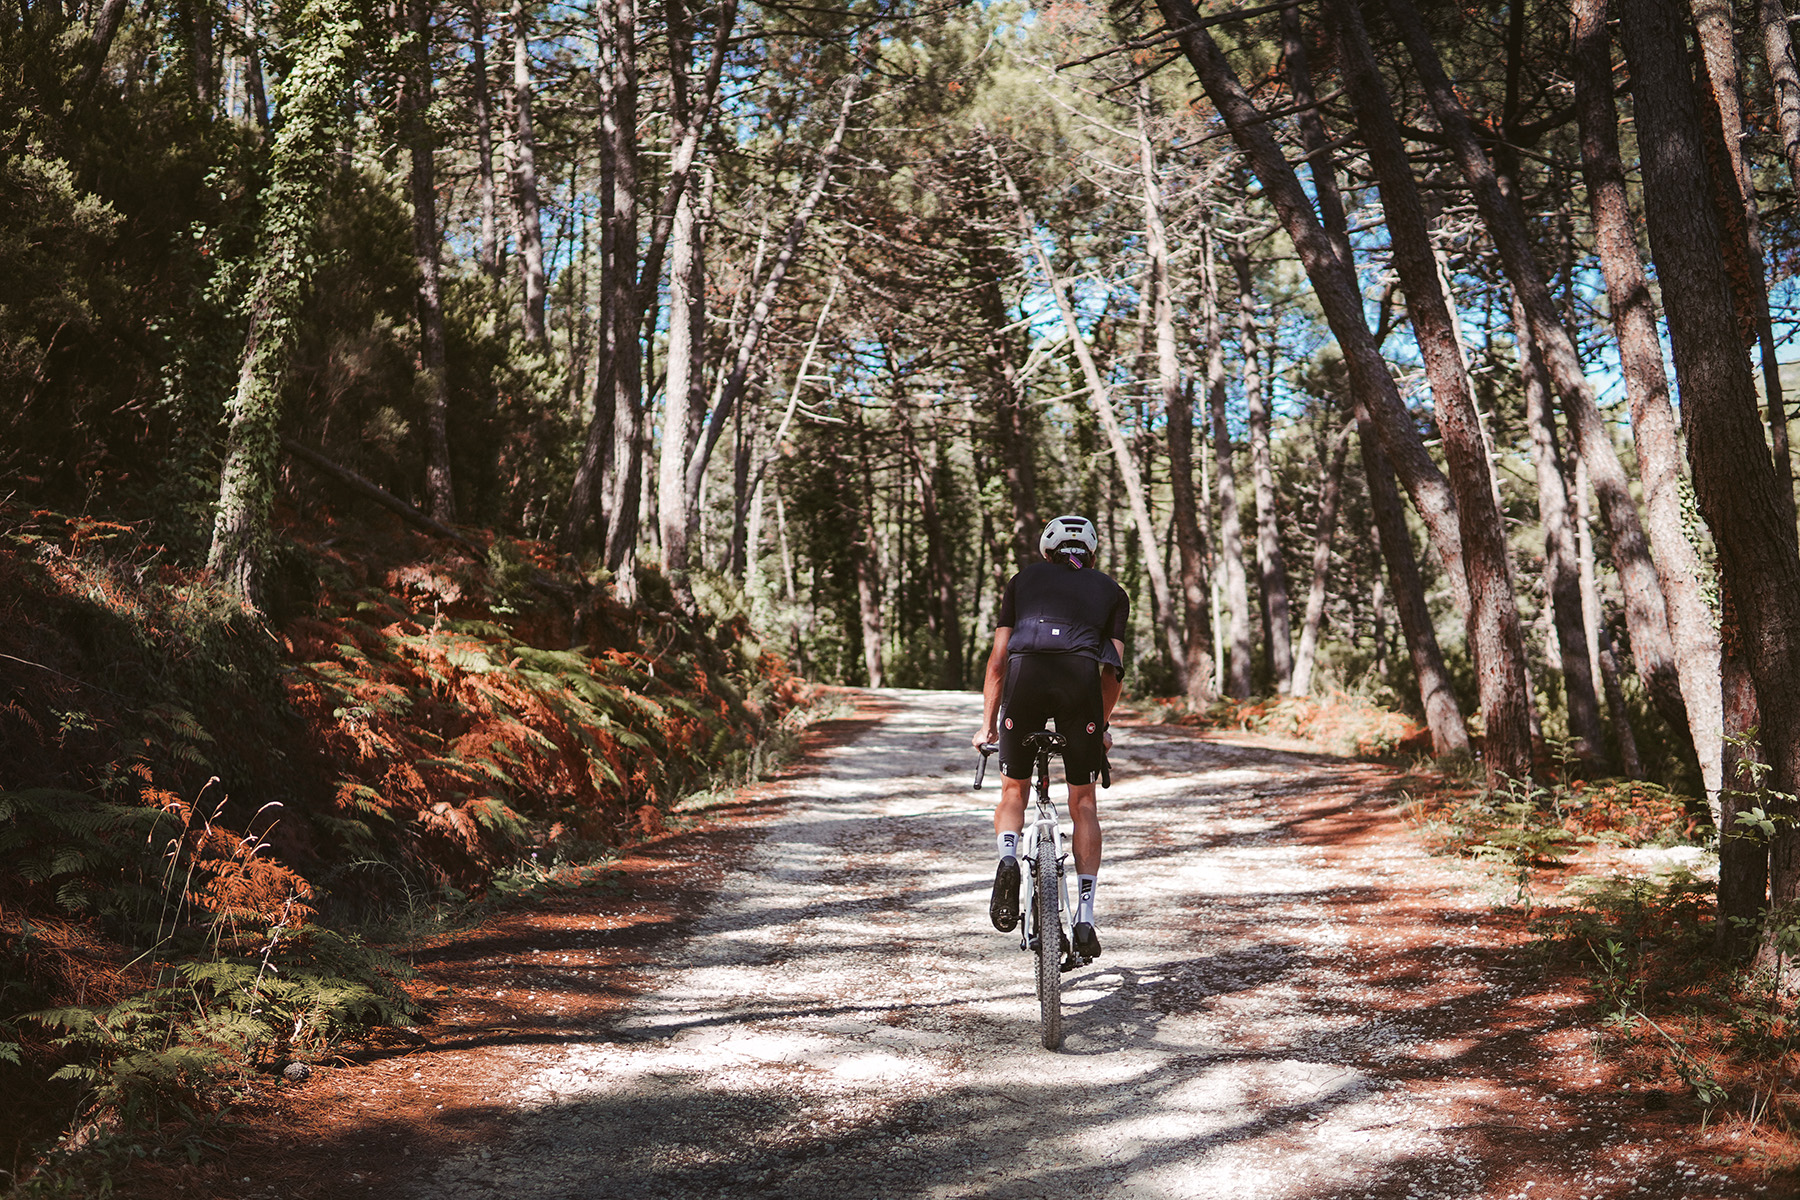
column 1047, row 928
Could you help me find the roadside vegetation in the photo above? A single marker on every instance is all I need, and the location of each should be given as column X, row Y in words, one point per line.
column 221, row 836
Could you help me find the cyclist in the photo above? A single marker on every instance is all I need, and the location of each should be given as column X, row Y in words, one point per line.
column 1059, row 651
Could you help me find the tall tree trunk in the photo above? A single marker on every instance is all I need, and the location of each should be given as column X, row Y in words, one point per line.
column 1784, row 77
column 1101, row 401
column 1743, row 853
column 1722, row 99
column 1646, row 615
column 1600, row 643
column 1443, row 714
column 1317, row 142
column 1696, row 643
column 312, row 101
column 201, row 14
column 1334, row 284
column 255, row 93
column 422, row 181
column 1562, row 568
column 481, row 101
column 1735, row 480
column 732, row 386
column 525, row 182
column 1178, row 411
column 619, row 381
column 1237, row 651
column 1493, row 623
column 100, row 40
column 1271, row 567
column 684, row 392
column 1331, row 489
column 941, row 614
column 1012, row 420
column 871, row 572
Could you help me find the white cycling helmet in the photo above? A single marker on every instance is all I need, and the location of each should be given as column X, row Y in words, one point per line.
column 1069, row 534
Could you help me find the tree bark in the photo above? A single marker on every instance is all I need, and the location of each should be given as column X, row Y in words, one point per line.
column 1238, row 651
column 733, row 385
column 1335, row 286
column 1195, row 678
column 1743, row 853
column 1101, row 401
column 1735, row 480
column 1646, row 614
column 100, row 41
column 1722, row 100
column 422, row 182
column 1331, row 489
column 525, row 183
column 1600, row 644
column 619, row 380
column 255, row 94
column 1562, row 567
column 1443, row 714
column 1696, row 643
column 312, row 103
column 1495, row 639
column 684, row 392
column 482, row 102
column 1271, row 566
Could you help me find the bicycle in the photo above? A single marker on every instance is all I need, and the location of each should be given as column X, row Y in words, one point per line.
column 1043, row 887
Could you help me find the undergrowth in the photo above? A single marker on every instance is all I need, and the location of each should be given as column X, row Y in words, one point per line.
column 1339, row 723
column 221, row 835
column 1679, row 1019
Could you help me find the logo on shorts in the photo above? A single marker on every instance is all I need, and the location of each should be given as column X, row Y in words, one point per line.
column 1090, row 727
column 1009, row 722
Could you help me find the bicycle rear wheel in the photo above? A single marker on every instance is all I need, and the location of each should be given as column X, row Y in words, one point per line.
column 1047, row 927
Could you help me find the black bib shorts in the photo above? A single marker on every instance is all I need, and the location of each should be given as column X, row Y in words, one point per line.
column 1060, row 687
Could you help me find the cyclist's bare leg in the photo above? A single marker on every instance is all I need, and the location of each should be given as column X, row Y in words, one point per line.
column 1009, row 814
column 1085, row 814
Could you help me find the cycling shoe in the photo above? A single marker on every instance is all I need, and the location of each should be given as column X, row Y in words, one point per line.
column 1003, row 908
column 1087, row 942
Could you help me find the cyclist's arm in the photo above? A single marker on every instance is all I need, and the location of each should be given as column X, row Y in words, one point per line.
column 1111, row 682
column 991, row 684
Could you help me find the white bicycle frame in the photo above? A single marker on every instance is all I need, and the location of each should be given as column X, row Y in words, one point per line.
column 1033, row 838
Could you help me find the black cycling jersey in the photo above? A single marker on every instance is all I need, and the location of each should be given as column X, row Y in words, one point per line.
column 1064, row 621
column 1056, row 609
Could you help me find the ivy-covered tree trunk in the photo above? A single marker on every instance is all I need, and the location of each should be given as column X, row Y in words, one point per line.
column 313, row 103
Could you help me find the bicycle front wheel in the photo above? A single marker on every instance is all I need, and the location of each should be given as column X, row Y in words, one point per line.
column 1047, row 927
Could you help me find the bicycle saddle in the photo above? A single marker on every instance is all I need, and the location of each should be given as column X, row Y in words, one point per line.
column 1044, row 739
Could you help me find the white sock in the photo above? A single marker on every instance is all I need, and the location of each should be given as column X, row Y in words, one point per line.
column 1009, row 845
column 1084, row 905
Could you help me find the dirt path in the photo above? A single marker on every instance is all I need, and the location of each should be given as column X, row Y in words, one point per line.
column 1294, row 1002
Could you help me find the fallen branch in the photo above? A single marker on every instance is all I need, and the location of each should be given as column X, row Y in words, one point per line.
column 380, row 495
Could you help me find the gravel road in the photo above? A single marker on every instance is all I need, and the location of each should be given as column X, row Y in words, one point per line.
column 1278, row 1012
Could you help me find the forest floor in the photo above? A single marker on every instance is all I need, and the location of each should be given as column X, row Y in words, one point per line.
column 802, row 997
